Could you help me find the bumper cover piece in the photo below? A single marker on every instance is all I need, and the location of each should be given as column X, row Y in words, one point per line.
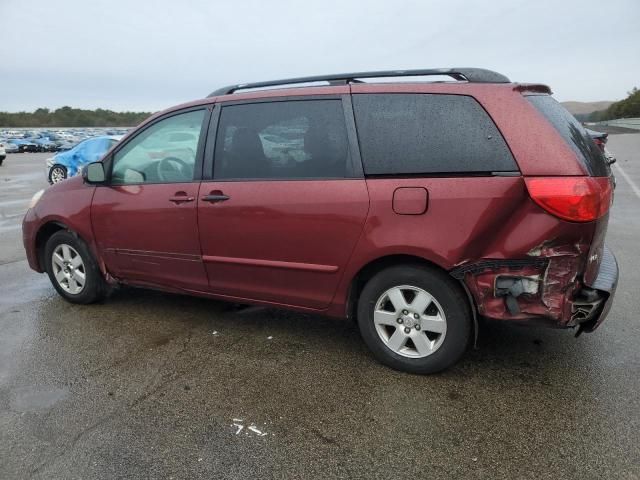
column 605, row 283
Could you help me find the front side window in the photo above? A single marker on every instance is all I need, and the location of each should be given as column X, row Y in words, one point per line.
column 282, row 140
column 163, row 153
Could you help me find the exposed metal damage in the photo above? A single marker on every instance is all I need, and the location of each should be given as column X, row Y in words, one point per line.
column 544, row 287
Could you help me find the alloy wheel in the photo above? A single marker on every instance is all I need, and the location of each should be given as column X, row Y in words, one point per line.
column 68, row 269
column 57, row 174
column 410, row 321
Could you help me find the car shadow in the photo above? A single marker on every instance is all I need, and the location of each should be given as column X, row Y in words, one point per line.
column 520, row 349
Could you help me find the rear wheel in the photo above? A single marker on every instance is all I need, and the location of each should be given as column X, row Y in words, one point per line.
column 57, row 173
column 72, row 269
column 414, row 319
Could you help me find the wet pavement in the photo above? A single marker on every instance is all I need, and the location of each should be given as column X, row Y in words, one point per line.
column 151, row 385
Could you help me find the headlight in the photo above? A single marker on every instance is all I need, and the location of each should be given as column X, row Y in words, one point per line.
column 35, row 198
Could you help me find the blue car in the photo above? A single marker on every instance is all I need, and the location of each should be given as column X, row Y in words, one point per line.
column 23, row 145
column 45, row 144
column 70, row 163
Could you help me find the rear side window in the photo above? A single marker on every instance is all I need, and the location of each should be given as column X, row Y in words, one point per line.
column 282, row 140
column 428, row 133
column 573, row 133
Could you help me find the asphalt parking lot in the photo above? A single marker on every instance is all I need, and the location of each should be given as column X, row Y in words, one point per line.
column 163, row 386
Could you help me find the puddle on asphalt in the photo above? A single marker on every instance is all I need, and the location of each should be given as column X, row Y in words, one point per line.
column 21, row 295
column 35, row 399
column 11, row 224
column 20, row 286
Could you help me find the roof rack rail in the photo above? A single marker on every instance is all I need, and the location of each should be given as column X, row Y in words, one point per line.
column 473, row 75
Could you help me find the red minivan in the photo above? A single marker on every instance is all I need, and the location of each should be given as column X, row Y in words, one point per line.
column 414, row 207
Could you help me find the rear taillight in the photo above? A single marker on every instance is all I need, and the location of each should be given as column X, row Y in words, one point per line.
column 577, row 199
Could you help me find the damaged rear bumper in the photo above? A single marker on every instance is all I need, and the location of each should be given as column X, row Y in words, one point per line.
column 545, row 289
column 604, row 285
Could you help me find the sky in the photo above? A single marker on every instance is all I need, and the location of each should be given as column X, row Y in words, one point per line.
column 149, row 55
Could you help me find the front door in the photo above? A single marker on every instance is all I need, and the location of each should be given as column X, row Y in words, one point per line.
column 145, row 220
column 286, row 204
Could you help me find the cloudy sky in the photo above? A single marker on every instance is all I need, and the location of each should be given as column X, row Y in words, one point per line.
column 135, row 55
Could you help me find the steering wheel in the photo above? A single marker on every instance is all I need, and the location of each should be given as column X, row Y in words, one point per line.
column 172, row 169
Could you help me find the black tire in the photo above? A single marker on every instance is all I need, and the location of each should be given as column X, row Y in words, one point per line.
column 57, row 168
column 95, row 288
column 451, row 299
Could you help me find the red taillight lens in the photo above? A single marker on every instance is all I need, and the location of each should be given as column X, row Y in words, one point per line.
column 577, row 199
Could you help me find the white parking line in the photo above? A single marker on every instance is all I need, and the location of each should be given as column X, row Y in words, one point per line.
column 634, row 187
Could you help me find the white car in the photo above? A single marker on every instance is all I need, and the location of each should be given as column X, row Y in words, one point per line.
column 12, row 134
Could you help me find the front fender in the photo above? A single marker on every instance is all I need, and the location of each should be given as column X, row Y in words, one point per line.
column 67, row 204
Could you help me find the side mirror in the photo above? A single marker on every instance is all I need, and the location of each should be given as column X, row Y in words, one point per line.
column 93, row 173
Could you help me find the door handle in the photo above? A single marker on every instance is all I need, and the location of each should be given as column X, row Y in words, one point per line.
column 181, row 198
column 215, row 197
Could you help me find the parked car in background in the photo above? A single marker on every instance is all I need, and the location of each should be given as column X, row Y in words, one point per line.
column 600, row 139
column 10, row 147
column 65, row 135
column 24, row 145
column 45, row 144
column 12, row 134
column 69, row 163
column 3, row 153
column 65, row 145
column 413, row 207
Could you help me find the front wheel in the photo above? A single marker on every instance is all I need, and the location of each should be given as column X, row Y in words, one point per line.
column 72, row 269
column 57, row 173
column 414, row 319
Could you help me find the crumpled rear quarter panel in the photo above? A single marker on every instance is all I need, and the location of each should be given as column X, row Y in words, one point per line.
column 473, row 220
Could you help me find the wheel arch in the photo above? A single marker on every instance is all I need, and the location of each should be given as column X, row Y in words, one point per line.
column 370, row 269
column 44, row 234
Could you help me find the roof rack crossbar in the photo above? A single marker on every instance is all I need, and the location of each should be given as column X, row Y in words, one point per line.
column 473, row 75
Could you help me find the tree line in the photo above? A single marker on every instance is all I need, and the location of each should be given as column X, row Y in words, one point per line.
column 72, row 117
column 627, row 108
column 77, row 117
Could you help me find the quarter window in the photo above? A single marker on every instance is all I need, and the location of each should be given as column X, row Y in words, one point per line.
column 282, row 140
column 163, row 153
column 573, row 133
column 428, row 133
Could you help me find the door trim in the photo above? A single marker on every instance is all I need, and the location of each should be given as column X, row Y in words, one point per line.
column 152, row 253
column 254, row 262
